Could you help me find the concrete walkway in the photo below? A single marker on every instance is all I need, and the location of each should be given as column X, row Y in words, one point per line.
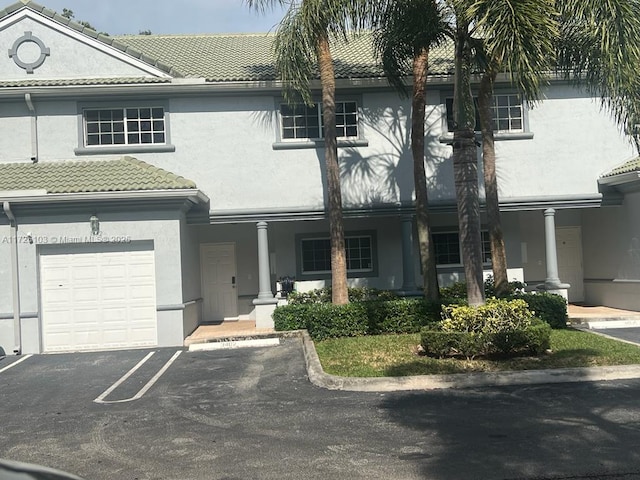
column 227, row 331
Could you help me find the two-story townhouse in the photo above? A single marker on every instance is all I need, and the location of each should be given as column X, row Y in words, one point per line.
column 151, row 183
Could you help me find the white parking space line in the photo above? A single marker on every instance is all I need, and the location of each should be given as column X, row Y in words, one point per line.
column 143, row 390
column 15, row 363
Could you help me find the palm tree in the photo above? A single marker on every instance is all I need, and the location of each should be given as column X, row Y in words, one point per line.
column 407, row 29
column 465, row 167
column 303, row 43
column 517, row 40
column 599, row 48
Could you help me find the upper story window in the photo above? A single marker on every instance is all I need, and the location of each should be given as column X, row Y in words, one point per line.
column 508, row 114
column 124, row 126
column 302, row 122
column 447, row 248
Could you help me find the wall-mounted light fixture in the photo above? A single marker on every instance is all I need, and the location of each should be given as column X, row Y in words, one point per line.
column 95, row 225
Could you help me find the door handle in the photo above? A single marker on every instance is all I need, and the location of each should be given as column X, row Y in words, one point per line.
column 233, row 281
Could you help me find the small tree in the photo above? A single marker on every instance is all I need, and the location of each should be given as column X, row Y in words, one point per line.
column 303, row 43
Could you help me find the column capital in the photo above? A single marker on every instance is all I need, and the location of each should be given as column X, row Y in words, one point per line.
column 262, row 224
column 549, row 212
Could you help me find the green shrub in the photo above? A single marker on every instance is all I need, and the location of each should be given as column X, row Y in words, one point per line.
column 356, row 294
column 437, row 343
column 330, row 321
column 458, row 290
column 500, row 327
column 533, row 340
column 323, row 320
column 290, row 317
column 454, row 291
column 497, row 315
column 402, row 315
column 539, row 338
column 549, row 307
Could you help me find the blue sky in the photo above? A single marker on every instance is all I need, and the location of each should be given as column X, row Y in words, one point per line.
column 118, row 17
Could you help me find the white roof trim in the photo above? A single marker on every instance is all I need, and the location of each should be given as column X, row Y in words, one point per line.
column 81, row 37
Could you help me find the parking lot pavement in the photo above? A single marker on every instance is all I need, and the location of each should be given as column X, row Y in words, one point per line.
column 630, row 334
column 252, row 413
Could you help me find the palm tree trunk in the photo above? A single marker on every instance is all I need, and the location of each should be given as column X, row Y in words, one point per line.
column 427, row 254
column 465, row 168
column 498, row 253
column 339, row 292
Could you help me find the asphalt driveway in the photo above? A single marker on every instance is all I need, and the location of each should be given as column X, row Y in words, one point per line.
column 252, row 413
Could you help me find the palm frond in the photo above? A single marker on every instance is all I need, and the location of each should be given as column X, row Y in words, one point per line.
column 520, row 38
column 404, row 28
column 295, row 56
column 600, row 49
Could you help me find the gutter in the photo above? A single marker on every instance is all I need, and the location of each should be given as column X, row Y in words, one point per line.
column 34, row 128
column 191, row 194
column 15, row 283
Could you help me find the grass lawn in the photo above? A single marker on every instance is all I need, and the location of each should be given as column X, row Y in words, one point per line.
column 395, row 355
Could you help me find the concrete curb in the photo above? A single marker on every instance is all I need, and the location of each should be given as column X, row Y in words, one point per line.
column 318, row 377
column 231, row 344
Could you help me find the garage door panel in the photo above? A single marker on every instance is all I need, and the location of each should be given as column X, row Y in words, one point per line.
column 84, row 272
column 142, row 313
column 86, row 294
column 115, row 293
column 141, row 292
column 98, row 300
column 115, row 272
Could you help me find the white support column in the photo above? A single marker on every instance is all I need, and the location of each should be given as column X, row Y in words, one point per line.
column 552, row 283
column 409, row 286
column 265, row 304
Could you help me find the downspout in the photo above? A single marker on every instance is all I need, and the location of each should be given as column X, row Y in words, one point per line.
column 34, row 128
column 17, row 328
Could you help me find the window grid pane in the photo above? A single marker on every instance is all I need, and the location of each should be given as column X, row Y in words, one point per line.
column 316, row 254
column 346, row 119
column 306, row 123
column 131, row 126
column 507, row 113
column 506, row 110
column 486, row 247
column 447, row 248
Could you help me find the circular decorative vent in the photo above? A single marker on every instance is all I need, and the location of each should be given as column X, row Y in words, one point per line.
column 27, row 46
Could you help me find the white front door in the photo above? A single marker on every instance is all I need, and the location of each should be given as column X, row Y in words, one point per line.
column 98, row 297
column 219, row 281
column 569, row 246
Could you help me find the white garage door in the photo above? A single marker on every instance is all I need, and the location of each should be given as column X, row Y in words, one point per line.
column 98, row 297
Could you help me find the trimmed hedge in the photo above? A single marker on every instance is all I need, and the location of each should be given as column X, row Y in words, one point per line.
column 549, row 307
column 325, row 320
column 533, row 340
column 500, row 327
column 546, row 306
column 356, row 294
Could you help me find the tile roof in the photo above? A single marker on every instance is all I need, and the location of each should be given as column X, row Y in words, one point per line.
column 228, row 57
column 123, row 175
column 627, row 167
column 249, row 57
column 80, row 81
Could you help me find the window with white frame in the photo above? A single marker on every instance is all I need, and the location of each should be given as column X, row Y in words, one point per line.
column 303, row 122
column 315, row 253
column 507, row 110
column 447, row 248
column 124, row 126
